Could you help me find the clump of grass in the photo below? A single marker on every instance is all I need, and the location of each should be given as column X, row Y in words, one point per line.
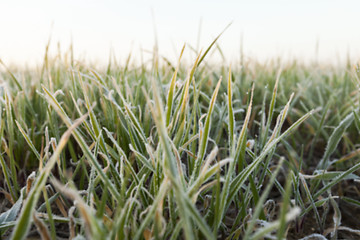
column 177, row 152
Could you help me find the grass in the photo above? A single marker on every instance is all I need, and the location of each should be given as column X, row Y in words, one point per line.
column 156, row 151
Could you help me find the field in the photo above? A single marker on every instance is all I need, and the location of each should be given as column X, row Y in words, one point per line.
column 162, row 150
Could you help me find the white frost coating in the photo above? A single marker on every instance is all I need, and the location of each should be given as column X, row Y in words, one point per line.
column 80, row 102
column 32, row 175
column 250, row 143
column 59, row 92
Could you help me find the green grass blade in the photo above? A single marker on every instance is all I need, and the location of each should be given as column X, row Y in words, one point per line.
column 151, row 213
column 29, row 142
column 238, row 181
column 271, row 107
column 230, row 111
column 204, row 138
column 170, row 97
column 219, row 214
column 212, row 44
column 336, row 180
column 259, row 206
column 335, row 139
column 10, row 127
column 24, row 220
column 11, row 75
column 291, row 215
column 52, row 100
column 285, row 207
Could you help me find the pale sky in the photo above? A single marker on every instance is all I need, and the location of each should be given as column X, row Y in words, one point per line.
column 289, row 29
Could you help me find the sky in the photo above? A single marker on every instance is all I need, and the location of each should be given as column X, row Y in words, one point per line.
column 265, row 29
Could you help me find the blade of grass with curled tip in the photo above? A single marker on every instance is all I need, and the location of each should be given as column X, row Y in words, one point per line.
column 52, row 100
column 170, row 97
column 23, row 222
column 204, row 138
